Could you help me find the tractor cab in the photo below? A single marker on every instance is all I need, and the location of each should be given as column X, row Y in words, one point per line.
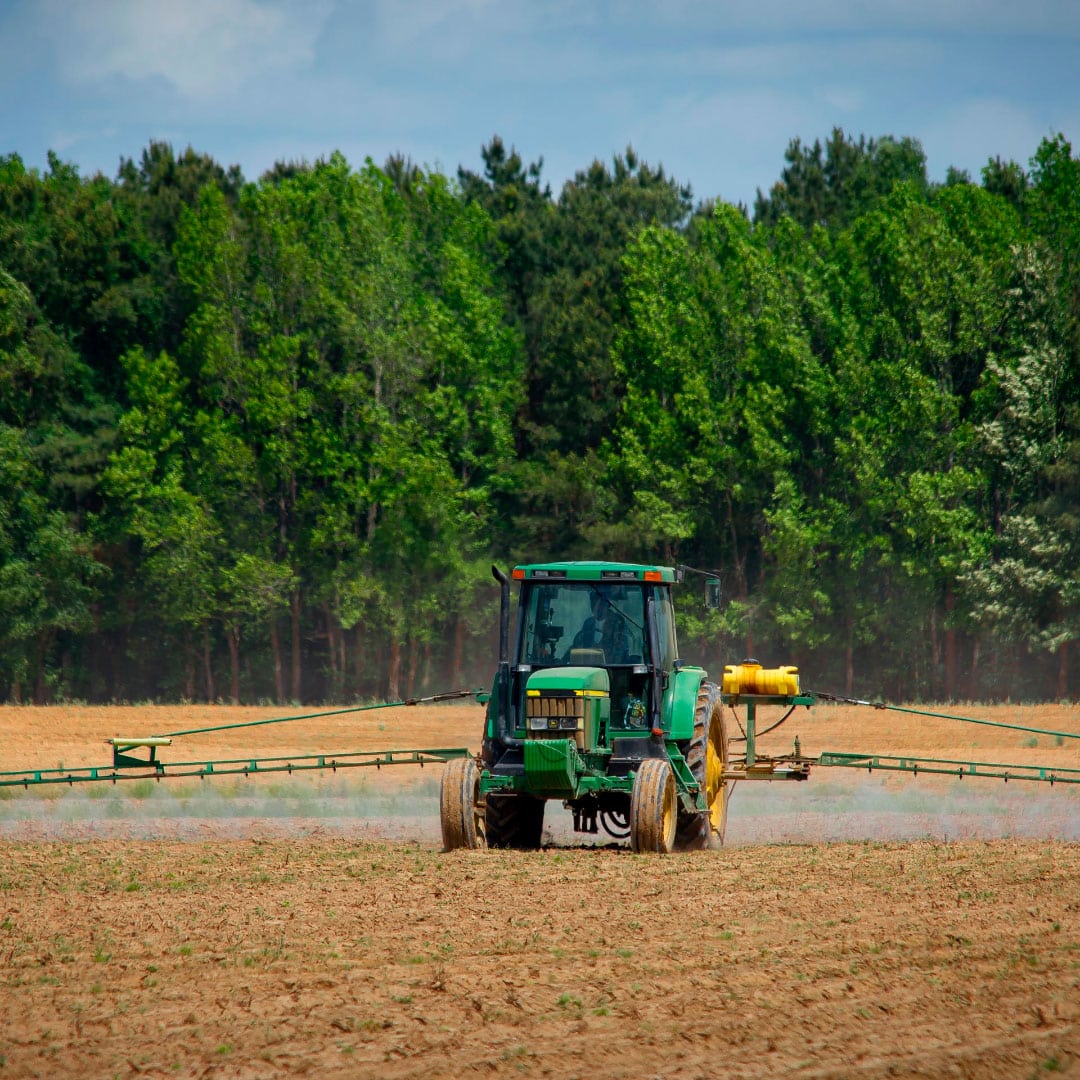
column 594, row 651
column 608, row 620
column 591, row 708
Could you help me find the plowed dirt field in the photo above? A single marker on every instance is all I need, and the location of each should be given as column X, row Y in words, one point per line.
column 855, row 926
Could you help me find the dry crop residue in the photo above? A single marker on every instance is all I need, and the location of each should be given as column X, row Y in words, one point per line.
column 323, row 953
column 336, row 959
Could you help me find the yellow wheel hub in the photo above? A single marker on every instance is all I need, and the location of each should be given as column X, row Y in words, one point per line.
column 668, row 825
column 714, row 779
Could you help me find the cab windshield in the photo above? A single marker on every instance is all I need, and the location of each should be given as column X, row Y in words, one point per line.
column 583, row 622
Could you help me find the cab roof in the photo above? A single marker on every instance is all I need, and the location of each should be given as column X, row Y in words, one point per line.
column 595, row 571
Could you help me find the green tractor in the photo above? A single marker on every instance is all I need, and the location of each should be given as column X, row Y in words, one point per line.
column 593, row 707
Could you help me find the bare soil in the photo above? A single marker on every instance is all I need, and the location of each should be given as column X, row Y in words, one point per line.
column 855, row 926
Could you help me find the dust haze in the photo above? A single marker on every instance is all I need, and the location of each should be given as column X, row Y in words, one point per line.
column 824, row 809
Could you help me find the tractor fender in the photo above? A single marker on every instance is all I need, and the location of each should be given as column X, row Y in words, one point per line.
column 680, row 702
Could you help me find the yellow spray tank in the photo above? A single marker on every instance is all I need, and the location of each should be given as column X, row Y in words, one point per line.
column 750, row 677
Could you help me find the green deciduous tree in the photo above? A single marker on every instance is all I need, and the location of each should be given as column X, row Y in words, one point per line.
column 296, row 419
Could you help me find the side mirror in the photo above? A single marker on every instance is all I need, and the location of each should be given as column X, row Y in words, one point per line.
column 712, row 594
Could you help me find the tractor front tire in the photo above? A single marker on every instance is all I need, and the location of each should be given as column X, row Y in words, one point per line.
column 653, row 807
column 459, row 806
column 707, row 757
column 514, row 821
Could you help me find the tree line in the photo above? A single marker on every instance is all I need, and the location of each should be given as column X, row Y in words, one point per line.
column 261, row 441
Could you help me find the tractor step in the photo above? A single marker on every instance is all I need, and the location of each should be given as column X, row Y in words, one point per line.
column 628, row 754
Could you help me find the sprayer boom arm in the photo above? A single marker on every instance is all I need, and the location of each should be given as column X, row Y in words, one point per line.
column 129, row 768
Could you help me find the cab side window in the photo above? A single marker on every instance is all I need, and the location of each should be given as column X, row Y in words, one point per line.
column 665, row 626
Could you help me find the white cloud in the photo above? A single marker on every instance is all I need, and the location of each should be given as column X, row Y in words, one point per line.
column 453, row 26
column 204, row 48
column 791, row 59
column 714, row 91
column 783, row 17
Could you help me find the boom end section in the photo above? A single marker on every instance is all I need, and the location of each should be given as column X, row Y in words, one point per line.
column 122, row 760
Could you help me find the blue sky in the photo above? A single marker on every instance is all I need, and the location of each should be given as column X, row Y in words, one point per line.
column 713, row 91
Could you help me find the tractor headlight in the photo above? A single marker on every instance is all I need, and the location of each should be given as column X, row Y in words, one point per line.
column 554, row 723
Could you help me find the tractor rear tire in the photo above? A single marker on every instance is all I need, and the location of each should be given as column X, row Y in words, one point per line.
column 653, row 807
column 459, row 806
column 514, row 821
column 707, row 757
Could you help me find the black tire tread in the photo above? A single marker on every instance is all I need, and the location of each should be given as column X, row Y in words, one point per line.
column 457, row 805
column 514, row 821
column 693, row 831
column 653, row 787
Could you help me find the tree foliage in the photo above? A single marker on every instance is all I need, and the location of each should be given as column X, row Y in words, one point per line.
column 262, row 440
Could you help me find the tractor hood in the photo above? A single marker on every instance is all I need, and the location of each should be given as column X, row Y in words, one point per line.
column 590, row 681
column 569, row 703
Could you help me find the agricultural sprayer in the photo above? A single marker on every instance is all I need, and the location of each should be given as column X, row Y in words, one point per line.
column 591, row 707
